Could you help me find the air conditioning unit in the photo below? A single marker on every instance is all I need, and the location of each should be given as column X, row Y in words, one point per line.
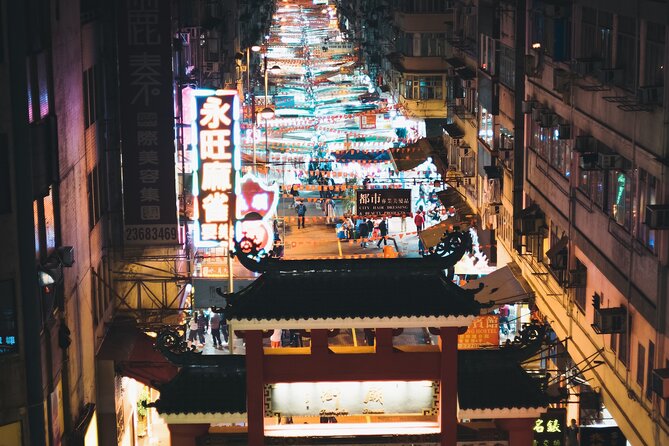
column 564, row 131
column 494, row 208
column 586, row 66
column 609, row 161
column 459, row 102
column 469, row 10
column 548, row 120
column 584, row 144
column 469, row 84
column 588, row 161
column 560, row 80
column 610, row 76
column 577, row 278
column 657, row 216
column 464, row 152
column 650, row 95
column 610, row 320
column 537, row 113
column 661, row 382
column 527, row 106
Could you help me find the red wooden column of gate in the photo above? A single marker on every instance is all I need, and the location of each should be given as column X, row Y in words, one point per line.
column 448, row 412
column 255, row 405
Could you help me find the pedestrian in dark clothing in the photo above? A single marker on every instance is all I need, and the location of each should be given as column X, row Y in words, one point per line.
column 370, row 228
column 364, row 233
column 301, row 210
column 383, row 231
column 572, row 434
column 224, row 329
column 201, row 324
column 216, row 329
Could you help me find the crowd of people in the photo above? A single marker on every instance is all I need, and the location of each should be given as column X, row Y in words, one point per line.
column 206, row 322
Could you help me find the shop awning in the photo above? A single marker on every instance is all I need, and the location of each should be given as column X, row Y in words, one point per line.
column 451, row 197
column 505, row 285
column 134, row 354
column 453, row 130
column 410, row 156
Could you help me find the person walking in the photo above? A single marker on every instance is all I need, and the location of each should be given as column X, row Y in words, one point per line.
column 215, row 323
column 403, row 223
column 419, row 220
column 330, row 210
column 201, row 324
column 224, row 329
column 193, row 327
column 301, row 210
column 572, row 434
column 363, row 228
column 383, row 233
column 276, row 338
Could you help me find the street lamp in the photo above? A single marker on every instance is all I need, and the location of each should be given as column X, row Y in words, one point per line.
column 255, row 49
column 266, row 113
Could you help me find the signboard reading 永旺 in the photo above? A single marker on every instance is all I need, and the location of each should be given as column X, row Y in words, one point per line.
column 383, row 202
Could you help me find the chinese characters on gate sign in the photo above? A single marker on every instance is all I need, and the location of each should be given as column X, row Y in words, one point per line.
column 216, row 172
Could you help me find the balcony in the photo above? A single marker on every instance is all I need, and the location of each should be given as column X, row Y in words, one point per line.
column 423, row 23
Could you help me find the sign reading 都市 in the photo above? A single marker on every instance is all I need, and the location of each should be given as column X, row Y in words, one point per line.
column 217, row 124
column 383, row 202
column 147, row 122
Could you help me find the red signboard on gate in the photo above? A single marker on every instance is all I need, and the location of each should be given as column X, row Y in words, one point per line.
column 482, row 333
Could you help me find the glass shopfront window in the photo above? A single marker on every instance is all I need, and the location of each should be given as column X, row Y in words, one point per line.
column 486, row 127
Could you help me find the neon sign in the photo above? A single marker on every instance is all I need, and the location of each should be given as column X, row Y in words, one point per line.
column 256, row 206
column 217, row 164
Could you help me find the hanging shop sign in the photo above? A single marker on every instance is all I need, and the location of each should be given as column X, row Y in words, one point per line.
column 147, row 123
column 483, row 332
column 550, row 428
column 214, row 179
column 383, row 202
column 352, row 398
column 256, row 207
column 367, row 122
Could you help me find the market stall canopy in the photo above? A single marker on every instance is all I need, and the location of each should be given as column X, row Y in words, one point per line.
column 411, row 156
column 505, row 285
column 347, row 156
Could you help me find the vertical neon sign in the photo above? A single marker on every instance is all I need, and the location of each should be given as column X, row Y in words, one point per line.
column 218, row 161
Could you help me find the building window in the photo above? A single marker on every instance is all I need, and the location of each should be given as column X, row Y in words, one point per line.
column 487, row 54
column 91, row 87
column 9, row 331
column 647, row 195
column 622, row 348
column 649, row 370
column 640, row 365
column 620, row 197
column 654, row 63
column 596, row 35
column 485, row 127
column 507, row 66
column 626, row 54
column 579, row 290
column 423, row 88
column 432, row 44
column 96, row 191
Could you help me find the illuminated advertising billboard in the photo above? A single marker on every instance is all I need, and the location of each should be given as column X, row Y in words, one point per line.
column 217, row 164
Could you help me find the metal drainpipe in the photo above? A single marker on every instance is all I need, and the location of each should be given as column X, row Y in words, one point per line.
column 27, row 273
column 520, row 41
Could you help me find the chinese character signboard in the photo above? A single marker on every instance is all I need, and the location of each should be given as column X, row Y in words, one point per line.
column 352, row 398
column 374, row 202
column 550, row 428
column 217, row 124
column 602, row 436
column 147, row 122
column 483, row 332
